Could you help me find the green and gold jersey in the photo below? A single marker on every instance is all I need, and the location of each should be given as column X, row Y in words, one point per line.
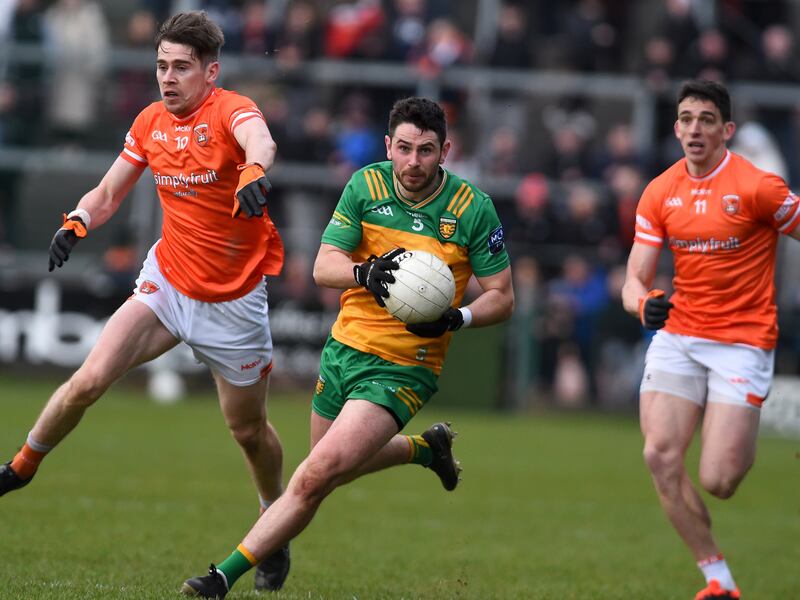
column 457, row 222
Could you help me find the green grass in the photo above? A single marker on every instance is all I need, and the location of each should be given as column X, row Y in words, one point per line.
column 553, row 506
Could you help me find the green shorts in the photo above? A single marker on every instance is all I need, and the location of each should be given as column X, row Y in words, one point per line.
column 349, row 374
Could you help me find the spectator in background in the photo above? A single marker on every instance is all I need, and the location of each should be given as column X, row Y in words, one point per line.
column 300, row 38
column 349, row 24
column 446, row 46
column 571, row 128
column 77, row 44
column 504, row 153
column 591, row 40
column 258, row 31
column 21, row 100
column 581, row 292
column 408, row 23
column 512, row 47
column 356, row 143
column 531, row 229
column 585, row 220
column 626, row 183
column 708, row 57
column 135, row 86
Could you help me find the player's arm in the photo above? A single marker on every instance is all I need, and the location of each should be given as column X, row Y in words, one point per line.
column 94, row 208
column 259, row 148
column 649, row 306
column 335, row 268
column 495, row 304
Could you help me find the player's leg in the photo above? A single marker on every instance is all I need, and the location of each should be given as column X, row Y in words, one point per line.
column 728, row 447
column 132, row 336
column 668, row 424
column 361, row 429
column 401, row 390
column 245, row 412
column 739, row 379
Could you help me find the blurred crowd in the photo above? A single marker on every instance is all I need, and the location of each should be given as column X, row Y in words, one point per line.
column 577, row 164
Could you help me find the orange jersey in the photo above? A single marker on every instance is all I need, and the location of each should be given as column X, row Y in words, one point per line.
column 204, row 253
column 723, row 230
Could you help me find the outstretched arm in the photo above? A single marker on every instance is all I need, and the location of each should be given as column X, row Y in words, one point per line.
column 102, row 202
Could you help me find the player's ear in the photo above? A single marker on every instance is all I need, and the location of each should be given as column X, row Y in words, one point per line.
column 388, row 141
column 445, row 150
column 212, row 71
column 728, row 130
column 675, row 128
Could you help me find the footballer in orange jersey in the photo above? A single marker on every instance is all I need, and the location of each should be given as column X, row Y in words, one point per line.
column 712, row 358
column 203, row 282
column 376, row 372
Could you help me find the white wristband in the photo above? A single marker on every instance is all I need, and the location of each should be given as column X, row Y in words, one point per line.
column 467, row 314
column 83, row 215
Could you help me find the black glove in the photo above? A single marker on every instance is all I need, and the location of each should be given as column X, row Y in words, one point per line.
column 376, row 273
column 654, row 309
column 64, row 240
column 451, row 320
column 251, row 193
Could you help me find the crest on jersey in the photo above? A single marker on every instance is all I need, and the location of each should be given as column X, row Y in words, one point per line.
column 730, row 204
column 447, row 227
column 320, row 385
column 201, row 134
column 148, row 287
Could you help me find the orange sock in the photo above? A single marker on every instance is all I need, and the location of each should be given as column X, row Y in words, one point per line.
column 27, row 461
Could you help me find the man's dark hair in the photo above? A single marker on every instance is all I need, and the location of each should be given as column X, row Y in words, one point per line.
column 712, row 91
column 425, row 114
column 196, row 30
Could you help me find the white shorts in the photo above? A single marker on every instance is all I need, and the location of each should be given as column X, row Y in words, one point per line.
column 699, row 369
column 233, row 338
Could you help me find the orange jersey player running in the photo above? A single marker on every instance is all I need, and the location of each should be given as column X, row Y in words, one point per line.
column 712, row 359
column 203, row 282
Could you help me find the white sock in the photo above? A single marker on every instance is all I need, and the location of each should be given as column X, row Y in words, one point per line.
column 715, row 567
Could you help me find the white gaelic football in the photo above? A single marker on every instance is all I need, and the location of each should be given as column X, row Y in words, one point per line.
column 424, row 287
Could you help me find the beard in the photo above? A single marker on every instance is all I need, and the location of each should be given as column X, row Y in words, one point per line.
column 419, row 184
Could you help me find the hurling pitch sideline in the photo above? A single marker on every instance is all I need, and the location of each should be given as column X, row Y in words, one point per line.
column 552, row 506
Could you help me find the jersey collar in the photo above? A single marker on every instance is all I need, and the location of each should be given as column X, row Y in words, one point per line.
column 715, row 171
column 424, row 201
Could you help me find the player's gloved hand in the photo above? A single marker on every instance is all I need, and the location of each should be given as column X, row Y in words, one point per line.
column 376, row 273
column 654, row 309
column 451, row 320
column 251, row 193
column 65, row 239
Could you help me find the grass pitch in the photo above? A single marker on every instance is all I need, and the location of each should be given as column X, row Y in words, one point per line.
column 141, row 496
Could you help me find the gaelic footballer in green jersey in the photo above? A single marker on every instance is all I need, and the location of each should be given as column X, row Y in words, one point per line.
column 457, row 222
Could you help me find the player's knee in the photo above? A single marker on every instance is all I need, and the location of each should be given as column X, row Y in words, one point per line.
column 315, row 480
column 250, row 435
column 84, row 388
column 664, row 462
column 720, row 483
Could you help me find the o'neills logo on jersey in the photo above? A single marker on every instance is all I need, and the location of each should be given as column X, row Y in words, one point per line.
column 148, row 287
column 201, row 134
column 182, row 180
column 730, row 204
column 447, row 227
column 702, row 246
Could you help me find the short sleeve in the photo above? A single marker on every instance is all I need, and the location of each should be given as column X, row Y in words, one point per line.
column 344, row 228
column 133, row 149
column 487, row 248
column 776, row 205
column 649, row 229
column 237, row 109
